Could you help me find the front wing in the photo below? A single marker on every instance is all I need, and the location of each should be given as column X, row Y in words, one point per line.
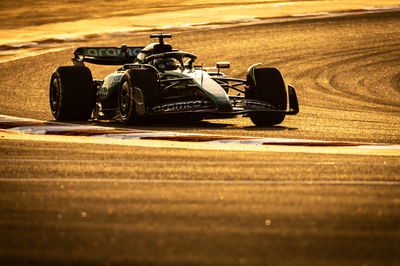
column 240, row 105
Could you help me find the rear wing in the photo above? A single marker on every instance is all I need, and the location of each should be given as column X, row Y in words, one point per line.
column 106, row 55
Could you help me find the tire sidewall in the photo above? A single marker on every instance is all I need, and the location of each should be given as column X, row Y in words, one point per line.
column 145, row 81
column 55, row 107
column 128, row 115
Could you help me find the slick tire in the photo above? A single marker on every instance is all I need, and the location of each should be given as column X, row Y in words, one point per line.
column 269, row 87
column 72, row 93
column 139, row 88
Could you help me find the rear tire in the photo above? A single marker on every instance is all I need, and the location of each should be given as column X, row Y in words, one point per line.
column 269, row 87
column 72, row 93
column 147, row 82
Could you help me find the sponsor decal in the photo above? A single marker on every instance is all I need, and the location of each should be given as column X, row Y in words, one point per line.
column 103, row 91
column 257, row 105
column 181, row 106
column 109, row 82
column 110, row 51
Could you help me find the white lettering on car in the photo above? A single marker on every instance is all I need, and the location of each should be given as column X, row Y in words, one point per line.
column 191, row 105
column 101, row 51
column 91, row 52
column 134, row 51
column 109, row 52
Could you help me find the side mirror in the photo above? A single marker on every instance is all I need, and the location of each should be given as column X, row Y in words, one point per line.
column 223, row 65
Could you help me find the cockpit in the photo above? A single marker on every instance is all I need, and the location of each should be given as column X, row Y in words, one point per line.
column 163, row 57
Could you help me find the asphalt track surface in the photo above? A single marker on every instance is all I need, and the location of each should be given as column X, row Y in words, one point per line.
column 74, row 203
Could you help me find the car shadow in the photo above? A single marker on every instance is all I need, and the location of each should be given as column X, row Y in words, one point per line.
column 161, row 125
column 183, row 125
column 271, row 128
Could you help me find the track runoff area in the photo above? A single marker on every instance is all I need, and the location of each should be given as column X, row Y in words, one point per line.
column 37, row 130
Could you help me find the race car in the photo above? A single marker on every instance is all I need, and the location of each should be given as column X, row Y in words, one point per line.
column 159, row 82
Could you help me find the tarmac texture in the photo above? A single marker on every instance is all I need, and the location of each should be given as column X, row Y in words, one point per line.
column 81, row 203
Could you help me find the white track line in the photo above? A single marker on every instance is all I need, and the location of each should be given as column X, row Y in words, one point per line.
column 63, row 132
column 202, row 181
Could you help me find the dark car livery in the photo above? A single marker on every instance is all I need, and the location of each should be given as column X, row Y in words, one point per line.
column 157, row 81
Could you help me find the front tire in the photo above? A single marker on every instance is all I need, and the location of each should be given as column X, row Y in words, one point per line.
column 72, row 93
column 139, row 89
column 268, row 86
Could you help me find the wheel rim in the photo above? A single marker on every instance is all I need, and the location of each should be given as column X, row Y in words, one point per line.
column 54, row 95
column 125, row 99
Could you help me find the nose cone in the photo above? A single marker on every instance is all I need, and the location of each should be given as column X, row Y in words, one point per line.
column 213, row 90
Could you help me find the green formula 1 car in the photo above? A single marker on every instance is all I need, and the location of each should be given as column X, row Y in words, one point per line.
column 159, row 82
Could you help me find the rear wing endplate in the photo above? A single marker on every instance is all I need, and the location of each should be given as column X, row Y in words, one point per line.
column 106, row 55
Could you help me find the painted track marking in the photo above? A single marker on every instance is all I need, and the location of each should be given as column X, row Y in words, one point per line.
column 59, row 132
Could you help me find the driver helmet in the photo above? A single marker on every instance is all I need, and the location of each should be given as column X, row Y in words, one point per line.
column 163, row 64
